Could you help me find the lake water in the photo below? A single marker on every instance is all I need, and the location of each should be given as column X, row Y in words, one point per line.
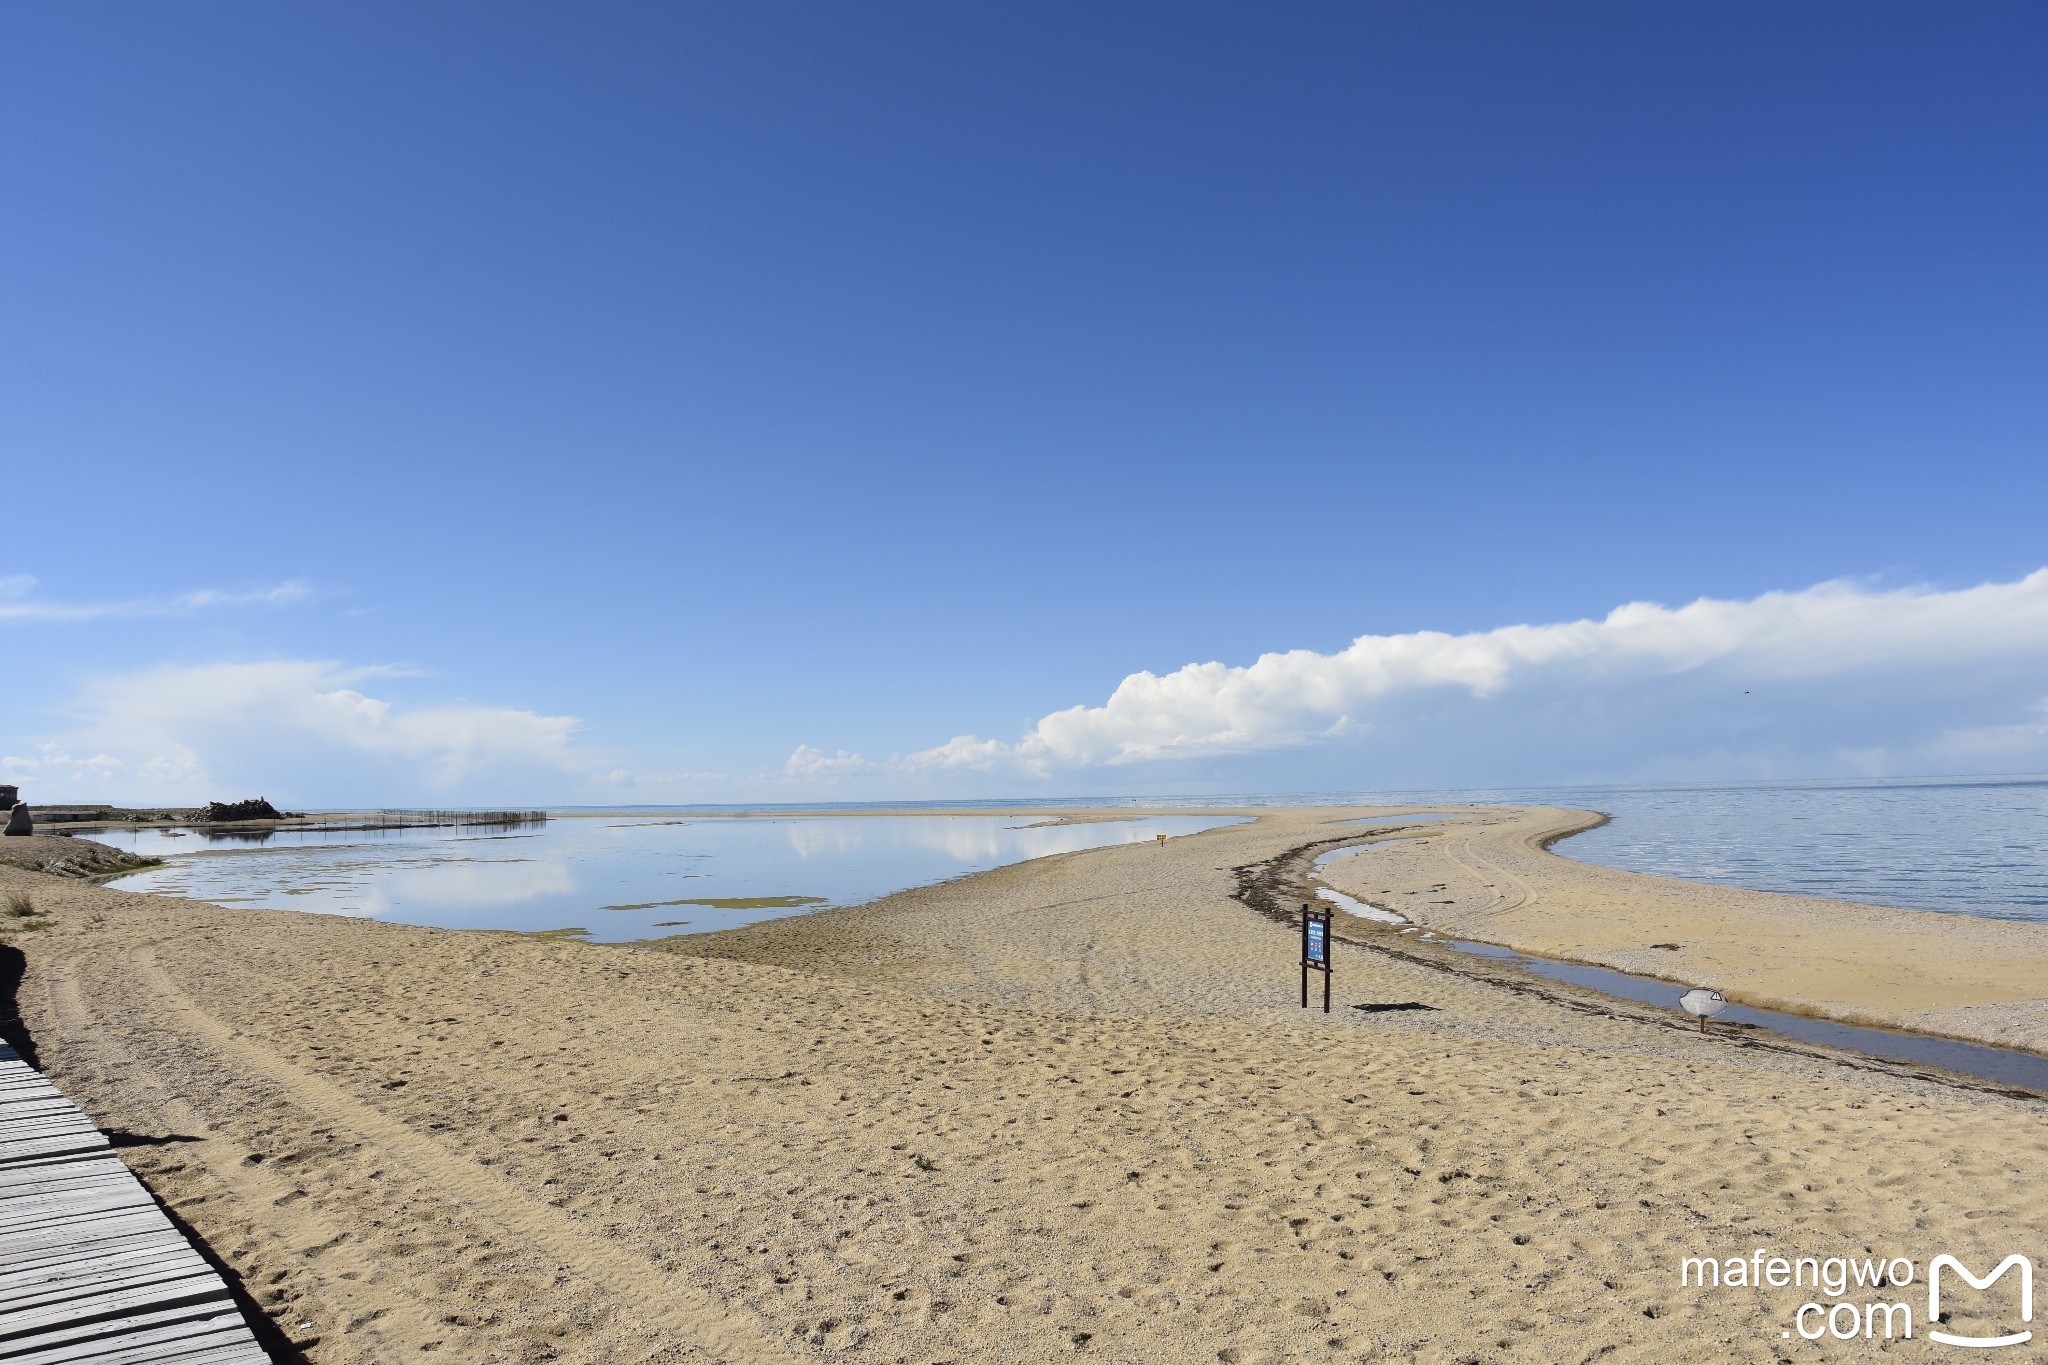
column 1969, row 846
column 1976, row 846
column 1963, row 845
column 613, row 878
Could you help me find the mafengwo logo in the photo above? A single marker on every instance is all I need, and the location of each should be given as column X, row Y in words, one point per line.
column 1865, row 1298
column 2012, row 1262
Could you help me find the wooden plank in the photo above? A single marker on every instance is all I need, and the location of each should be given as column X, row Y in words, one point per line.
column 89, row 1288
column 58, row 1181
column 33, row 1114
column 24, row 1144
column 144, row 1347
column 28, row 1176
column 138, row 1265
column 21, row 1285
column 91, row 1269
column 114, row 1301
column 29, row 1214
column 53, row 1146
column 147, row 1336
column 29, row 1121
column 229, row 1352
column 24, row 1126
column 81, row 1217
column 152, row 1238
column 225, row 1350
column 80, row 1214
column 38, row 1113
column 142, row 1244
column 109, row 1225
column 115, row 1304
column 61, row 1182
column 99, row 1235
column 95, row 1227
column 65, row 1160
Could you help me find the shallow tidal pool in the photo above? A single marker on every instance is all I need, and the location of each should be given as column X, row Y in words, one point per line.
column 610, row 878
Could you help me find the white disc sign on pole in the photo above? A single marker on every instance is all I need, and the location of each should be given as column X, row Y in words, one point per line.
column 1702, row 1002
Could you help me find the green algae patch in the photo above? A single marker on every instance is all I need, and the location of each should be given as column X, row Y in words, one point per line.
column 555, row 935
column 756, row 902
column 730, row 903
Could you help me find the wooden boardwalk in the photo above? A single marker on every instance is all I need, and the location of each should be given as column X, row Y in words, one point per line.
column 91, row 1270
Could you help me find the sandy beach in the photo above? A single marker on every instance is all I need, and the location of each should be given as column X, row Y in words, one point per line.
column 1067, row 1109
column 1489, row 877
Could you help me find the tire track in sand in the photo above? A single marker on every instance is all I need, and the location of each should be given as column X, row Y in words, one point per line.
column 311, row 1244
column 654, row 1296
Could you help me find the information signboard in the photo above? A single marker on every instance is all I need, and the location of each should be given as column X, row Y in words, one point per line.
column 1315, row 951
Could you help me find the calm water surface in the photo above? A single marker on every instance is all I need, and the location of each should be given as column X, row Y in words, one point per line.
column 1963, row 845
column 1966, row 846
column 616, row 878
column 1974, row 846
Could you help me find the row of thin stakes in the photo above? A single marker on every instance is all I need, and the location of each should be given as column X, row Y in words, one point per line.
column 401, row 819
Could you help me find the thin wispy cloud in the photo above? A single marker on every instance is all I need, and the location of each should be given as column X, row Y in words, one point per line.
column 1926, row 660
column 20, row 604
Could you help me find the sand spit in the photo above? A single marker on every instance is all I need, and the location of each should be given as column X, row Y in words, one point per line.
column 1063, row 1110
column 1045, row 816
column 1488, row 877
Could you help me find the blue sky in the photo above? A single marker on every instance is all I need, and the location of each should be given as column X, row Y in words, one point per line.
column 741, row 401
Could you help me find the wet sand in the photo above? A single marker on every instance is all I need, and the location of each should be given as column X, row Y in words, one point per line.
column 1061, row 1110
column 1488, row 877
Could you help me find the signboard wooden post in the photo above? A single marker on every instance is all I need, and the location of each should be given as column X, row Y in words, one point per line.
column 1315, row 951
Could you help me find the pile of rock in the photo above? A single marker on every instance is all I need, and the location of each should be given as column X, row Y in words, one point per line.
column 18, row 818
column 218, row 812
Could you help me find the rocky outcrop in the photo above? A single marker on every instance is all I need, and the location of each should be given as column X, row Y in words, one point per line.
column 256, row 809
column 69, row 856
column 19, row 822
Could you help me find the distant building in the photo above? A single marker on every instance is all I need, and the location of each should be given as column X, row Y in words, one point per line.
column 9, row 796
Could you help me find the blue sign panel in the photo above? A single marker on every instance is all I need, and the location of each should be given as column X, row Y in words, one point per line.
column 1317, row 948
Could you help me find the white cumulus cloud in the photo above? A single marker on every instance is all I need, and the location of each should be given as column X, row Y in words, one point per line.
column 290, row 728
column 1920, row 669
column 809, row 762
